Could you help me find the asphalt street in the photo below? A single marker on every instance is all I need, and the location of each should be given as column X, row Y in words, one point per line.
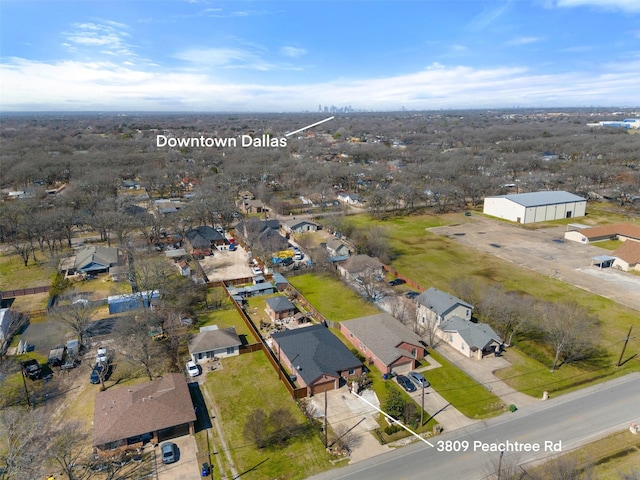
column 544, row 428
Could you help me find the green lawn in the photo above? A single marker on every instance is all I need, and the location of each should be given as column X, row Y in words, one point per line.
column 14, row 275
column 225, row 318
column 432, row 260
column 331, row 297
column 237, row 390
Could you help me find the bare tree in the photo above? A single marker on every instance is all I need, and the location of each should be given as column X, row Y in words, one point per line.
column 346, row 437
column 74, row 311
column 505, row 467
column 371, row 286
column 565, row 467
column 569, row 330
column 21, row 442
column 138, row 345
column 67, row 448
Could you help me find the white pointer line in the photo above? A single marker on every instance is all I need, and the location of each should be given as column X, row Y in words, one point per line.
column 308, row 126
column 393, row 420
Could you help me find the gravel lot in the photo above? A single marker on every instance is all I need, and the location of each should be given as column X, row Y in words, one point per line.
column 546, row 252
column 226, row 265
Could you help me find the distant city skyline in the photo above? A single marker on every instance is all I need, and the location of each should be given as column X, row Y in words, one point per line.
column 293, row 56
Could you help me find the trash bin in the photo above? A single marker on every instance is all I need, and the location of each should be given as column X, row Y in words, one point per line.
column 206, row 469
column 512, row 408
column 385, row 376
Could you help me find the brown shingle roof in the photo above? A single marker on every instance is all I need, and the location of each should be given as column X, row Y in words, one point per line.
column 623, row 229
column 129, row 411
column 629, row 251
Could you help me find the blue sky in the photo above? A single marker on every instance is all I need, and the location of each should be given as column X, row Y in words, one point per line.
column 201, row 55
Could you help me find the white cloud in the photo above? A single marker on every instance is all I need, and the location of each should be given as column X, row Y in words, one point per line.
column 625, row 5
column 76, row 86
column 231, row 58
column 110, row 36
column 524, row 40
column 292, row 51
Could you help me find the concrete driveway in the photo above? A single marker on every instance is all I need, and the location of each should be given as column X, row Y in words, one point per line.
column 187, row 467
column 345, row 411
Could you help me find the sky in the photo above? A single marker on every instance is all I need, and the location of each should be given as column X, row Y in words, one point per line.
column 297, row 55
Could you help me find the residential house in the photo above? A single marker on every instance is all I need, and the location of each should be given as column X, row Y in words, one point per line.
column 280, row 307
column 385, row 342
column 299, row 226
column 264, row 288
column 251, row 206
column 93, row 260
column 214, row 343
column 434, row 306
column 337, row 248
column 469, row 338
column 183, row 267
column 627, row 256
column 349, row 198
column 280, row 281
column 129, row 416
column 6, row 317
column 263, row 232
column 316, row 357
column 358, row 267
column 204, row 239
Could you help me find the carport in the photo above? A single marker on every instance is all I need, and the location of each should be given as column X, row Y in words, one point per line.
column 603, row 261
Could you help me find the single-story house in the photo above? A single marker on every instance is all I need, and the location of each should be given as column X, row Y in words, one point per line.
column 299, row 226
column 316, row 357
column 280, row 281
column 385, row 342
column 92, row 260
column 349, row 198
column 627, row 256
column 183, row 268
column 203, row 239
column 280, row 307
column 586, row 234
column 152, row 411
column 469, row 338
column 337, row 248
column 359, row 266
column 434, row 306
column 265, row 232
column 535, row 206
column 210, row 343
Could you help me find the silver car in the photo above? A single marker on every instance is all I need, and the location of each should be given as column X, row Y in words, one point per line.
column 418, row 379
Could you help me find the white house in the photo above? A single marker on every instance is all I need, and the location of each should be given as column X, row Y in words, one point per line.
column 535, row 206
column 212, row 342
column 469, row 338
column 434, row 306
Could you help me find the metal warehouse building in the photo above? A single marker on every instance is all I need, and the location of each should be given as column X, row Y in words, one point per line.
column 535, row 206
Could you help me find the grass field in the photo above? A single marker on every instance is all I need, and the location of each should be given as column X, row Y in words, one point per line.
column 331, row 297
column 236, row 394
column 432, row 260
column 14, row 275
column 225, row 318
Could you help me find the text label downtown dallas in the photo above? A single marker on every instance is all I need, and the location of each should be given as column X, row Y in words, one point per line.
column 263, row 141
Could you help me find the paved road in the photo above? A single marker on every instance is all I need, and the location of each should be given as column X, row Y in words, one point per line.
column 566, row 423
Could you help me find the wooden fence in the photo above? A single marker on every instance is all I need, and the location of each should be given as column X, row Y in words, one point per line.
column 23, row 291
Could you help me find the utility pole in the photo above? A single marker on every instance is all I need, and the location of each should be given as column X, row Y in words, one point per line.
column 422, row 407
column 624, row 347
column 24, row 382
column 326, row 433
column 500, row 463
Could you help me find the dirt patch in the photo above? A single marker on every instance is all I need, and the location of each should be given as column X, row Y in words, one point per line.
column 226, row 265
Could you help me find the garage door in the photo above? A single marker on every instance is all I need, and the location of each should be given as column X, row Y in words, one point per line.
column 402, row 369
column 173, row 432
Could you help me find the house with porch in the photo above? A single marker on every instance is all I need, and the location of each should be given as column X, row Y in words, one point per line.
column 385, row 342
column 319, row 361
column 473, row 340
column 129, row 416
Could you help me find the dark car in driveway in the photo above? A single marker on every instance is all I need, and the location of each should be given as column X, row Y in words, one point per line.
column 405, row 383
column 396, row 281
column 100, row 372
column 169, row 452
column 411, row 294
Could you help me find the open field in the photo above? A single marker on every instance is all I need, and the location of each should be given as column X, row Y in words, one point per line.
column 434, row 260
column 225, row 318
column 331, row 297
column 236, row 394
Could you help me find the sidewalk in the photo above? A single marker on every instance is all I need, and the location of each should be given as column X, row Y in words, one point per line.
column 482, row 372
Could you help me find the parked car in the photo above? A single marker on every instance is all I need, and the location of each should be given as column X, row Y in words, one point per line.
column 287, row 261
column 168, row 452
column 418, row 379
column 396, row 281
column 232, row 247
column 256, row 270
column 298, row 255
column 411, row 294
column 103, row 355
column 98, row 373
column 193, row 369
column 32, row 368
column 405, row 383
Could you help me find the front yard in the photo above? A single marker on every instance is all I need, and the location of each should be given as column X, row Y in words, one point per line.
column 240, row 388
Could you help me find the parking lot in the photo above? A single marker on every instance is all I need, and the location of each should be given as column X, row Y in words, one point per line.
column 545, row 251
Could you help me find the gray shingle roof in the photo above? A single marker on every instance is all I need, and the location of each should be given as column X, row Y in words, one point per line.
column 477, row 335
column 280, row 304
column 536, row 199
column 210, row 340
column 439, row 302
column 316, row 351
column 381, row 334
column 100, row 256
